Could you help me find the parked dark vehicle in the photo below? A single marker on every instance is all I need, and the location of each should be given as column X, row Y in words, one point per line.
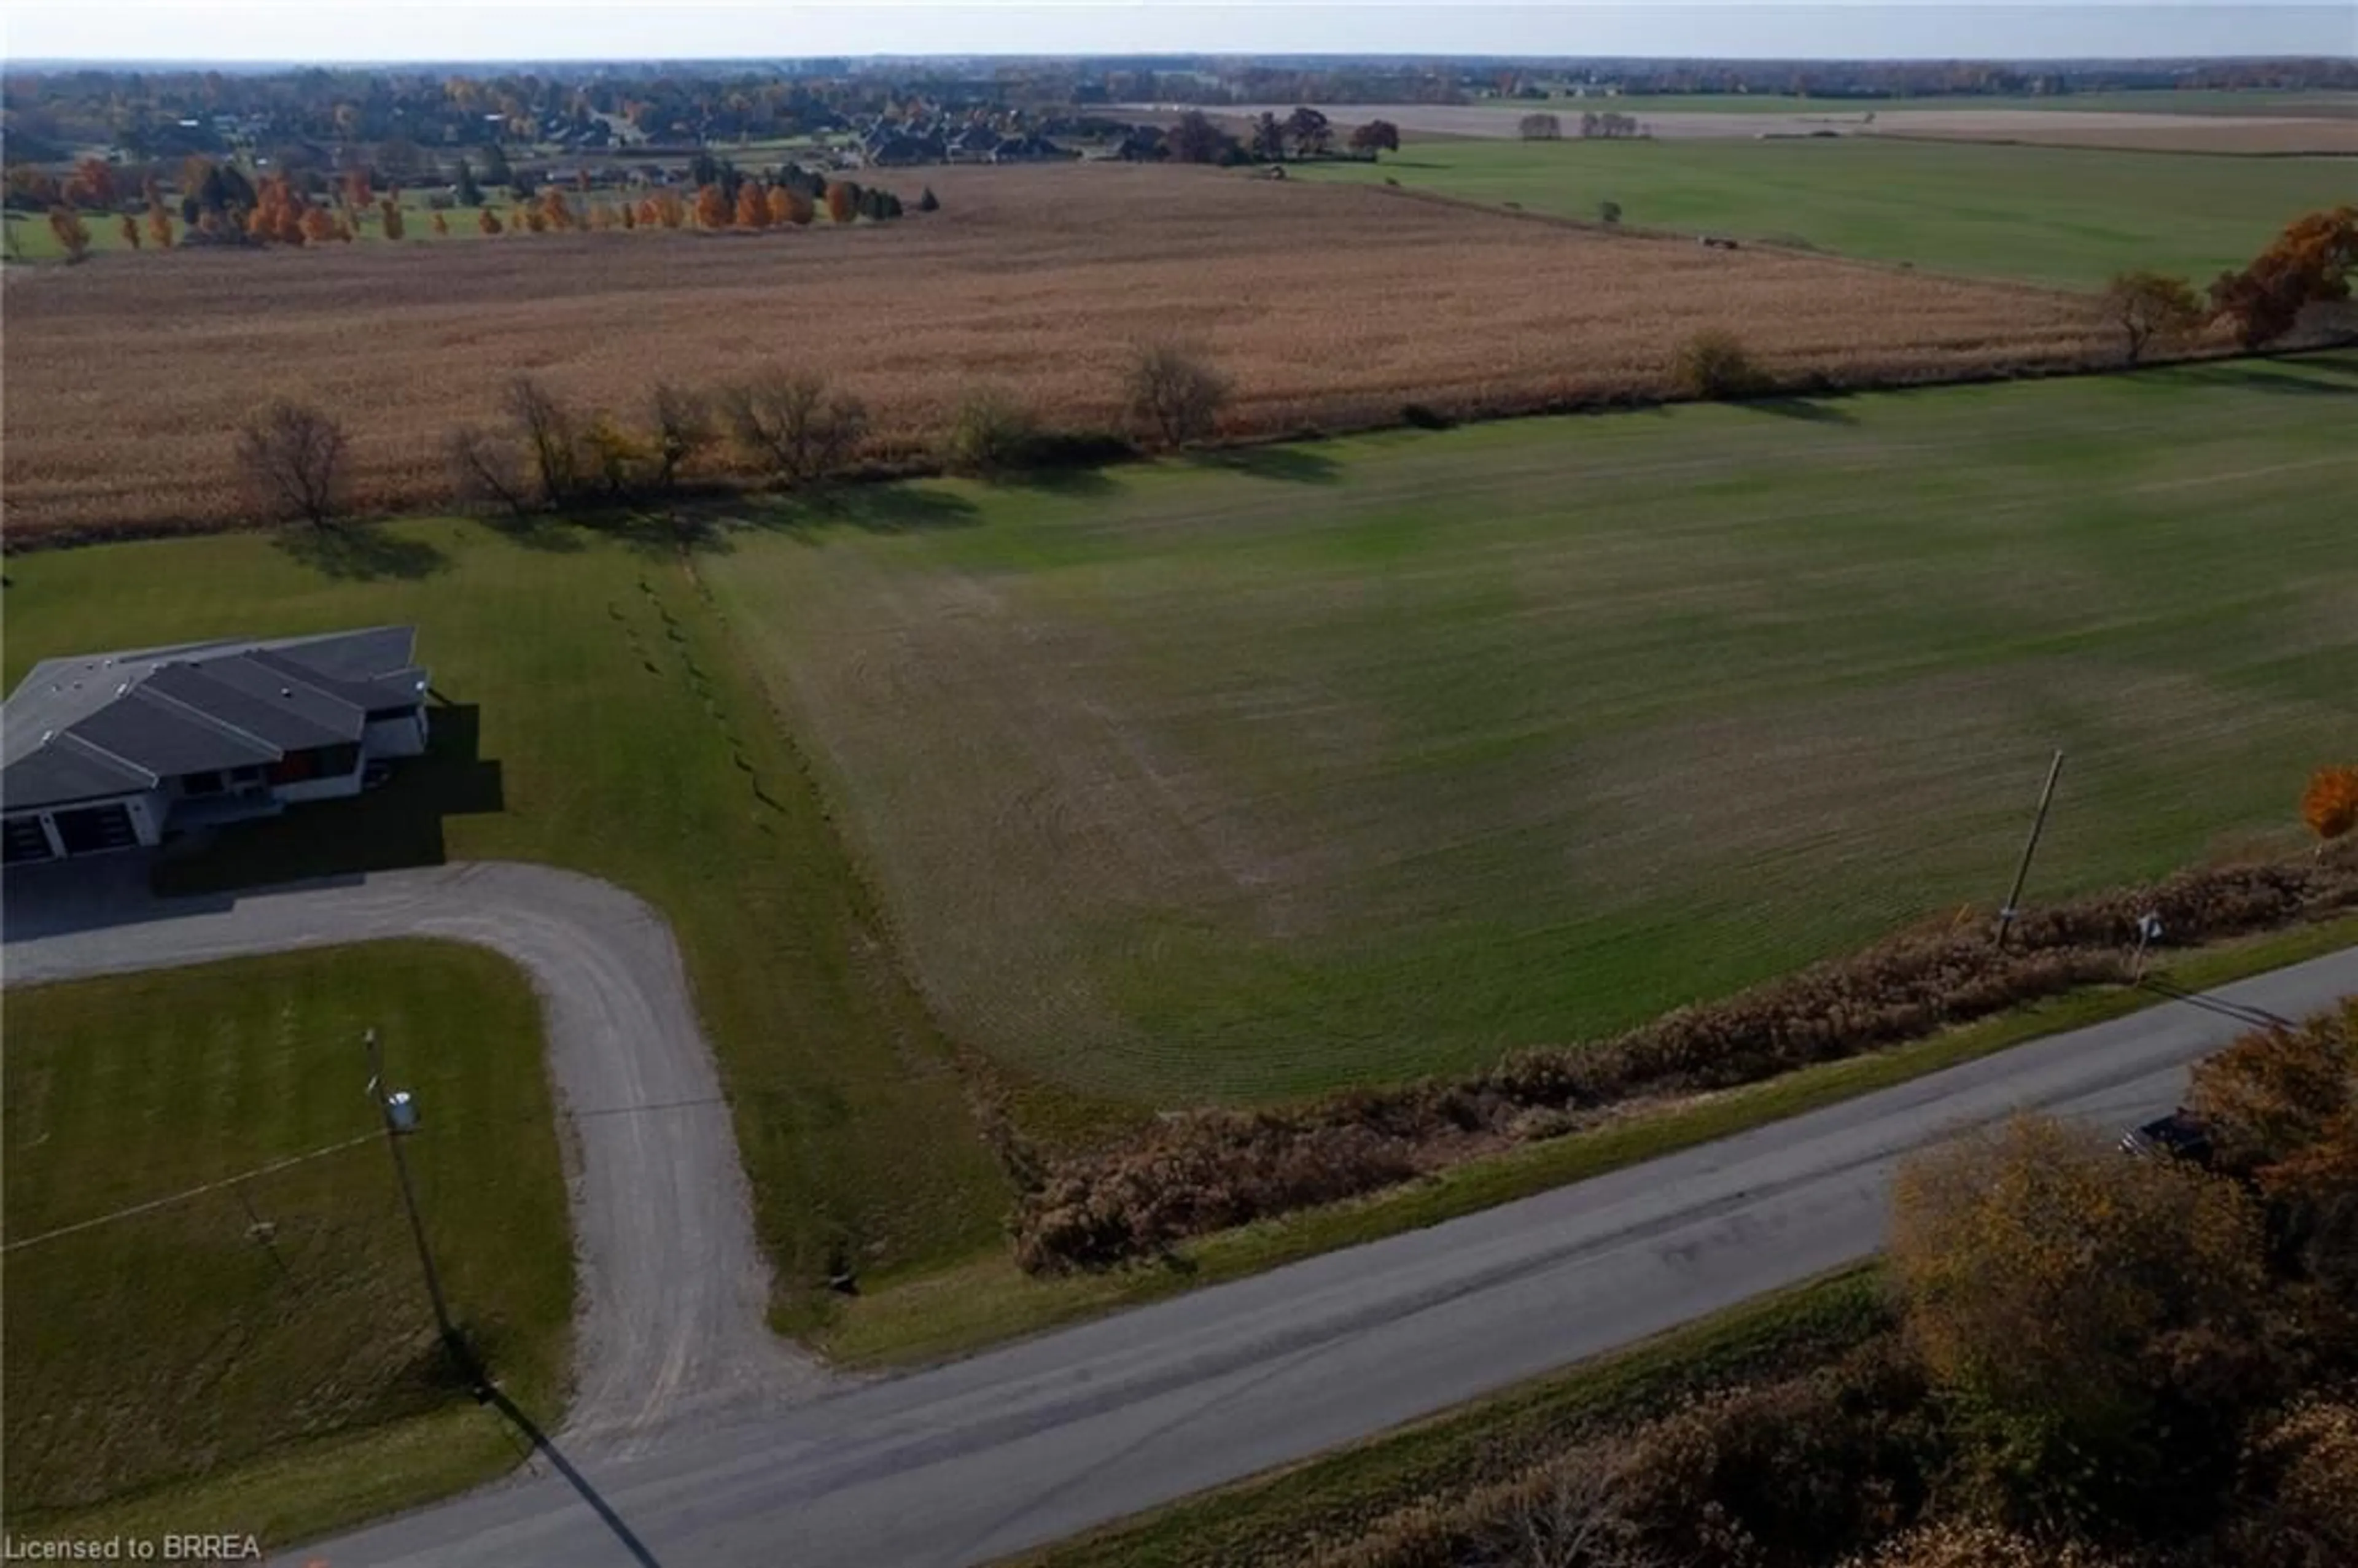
column 2180, row 1135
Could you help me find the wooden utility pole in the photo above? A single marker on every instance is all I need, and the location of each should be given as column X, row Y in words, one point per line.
column 2006, row 917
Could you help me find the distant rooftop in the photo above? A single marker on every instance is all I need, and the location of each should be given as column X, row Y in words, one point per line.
column 101, row 724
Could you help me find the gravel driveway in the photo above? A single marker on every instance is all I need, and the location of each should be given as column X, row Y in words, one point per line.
column 669, row 1316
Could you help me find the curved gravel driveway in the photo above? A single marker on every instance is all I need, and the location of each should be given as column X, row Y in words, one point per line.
column 669, row 1316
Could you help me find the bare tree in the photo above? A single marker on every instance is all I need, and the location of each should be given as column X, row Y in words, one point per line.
column 683, row 428
column 545, row 427
column 292, row 457
column 792, row 424
column 483, row 470
column 1539, row 128
column 2151, row 306
column 1176, row 393
column 1573, row 1513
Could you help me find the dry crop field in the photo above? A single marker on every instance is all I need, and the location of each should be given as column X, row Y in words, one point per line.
column 1330, row 306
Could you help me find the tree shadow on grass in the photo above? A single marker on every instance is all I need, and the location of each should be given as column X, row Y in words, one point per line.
column 1057, row 481
column 869, row 508
column 1290, row 464
column 395, row 825
column 362, row 553
column 546, row 530
column 1808, row 410
column 2313, row 378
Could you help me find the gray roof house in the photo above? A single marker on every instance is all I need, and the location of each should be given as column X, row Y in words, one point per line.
column 102, row 752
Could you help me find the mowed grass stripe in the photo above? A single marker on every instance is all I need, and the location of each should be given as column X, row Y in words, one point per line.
column 1385, row 756
column 167, row 1357
column 2067, row 216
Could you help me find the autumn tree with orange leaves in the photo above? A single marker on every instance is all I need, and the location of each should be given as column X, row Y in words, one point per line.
column 487, row 221
column 92, row 184
column 320, row 226
column 128, row 227
column 441, row 226
column 2058, row 1291
column 389, row 211
column 159, row 225
column 712, row 208
column 780, row 205
column 556, row 210
column 72, row 234
column 279, row 212
column 2281, row 1107
column 843, row 201
column 2330, row 804
column 752, row 205
column 2309, row 264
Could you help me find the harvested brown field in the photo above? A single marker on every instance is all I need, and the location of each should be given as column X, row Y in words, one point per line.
column 1329, row 305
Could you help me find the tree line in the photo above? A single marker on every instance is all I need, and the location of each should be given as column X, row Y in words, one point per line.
column 793, row 428
column 224, row 207
column 1609, row 126
column 2309, row 264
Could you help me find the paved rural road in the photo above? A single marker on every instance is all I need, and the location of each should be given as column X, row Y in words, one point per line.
column 672, row 1286
column 1024, row 1445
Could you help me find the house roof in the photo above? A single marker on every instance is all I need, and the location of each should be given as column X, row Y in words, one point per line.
column 101, row 724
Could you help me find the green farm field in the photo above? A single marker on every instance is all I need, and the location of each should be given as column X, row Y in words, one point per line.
column 603, row 722
column 1354, row 761
column 2065, row 216
column 280, row 1379
column 2258, row 101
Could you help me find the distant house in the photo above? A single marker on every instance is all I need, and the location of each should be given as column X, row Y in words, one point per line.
column 107, row 752
column 1031, row 149
column 888, row 148
column 974, row 145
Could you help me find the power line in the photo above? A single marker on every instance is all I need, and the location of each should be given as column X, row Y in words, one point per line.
column 275, row 1166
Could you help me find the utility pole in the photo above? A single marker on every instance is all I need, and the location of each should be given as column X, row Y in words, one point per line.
column 2006, row 917
column 393, row 1136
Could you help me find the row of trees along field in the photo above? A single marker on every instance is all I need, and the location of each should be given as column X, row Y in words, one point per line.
column 791, row 428
column 2308, row 263
column 1194, row 137
column 279, row 212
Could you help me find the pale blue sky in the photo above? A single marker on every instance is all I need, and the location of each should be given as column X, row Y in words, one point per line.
column 332, row 31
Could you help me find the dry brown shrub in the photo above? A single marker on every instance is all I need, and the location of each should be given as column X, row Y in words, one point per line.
column 2303, row 1471
column 1960, row 1544
column 1208, row 1169
column 1329, row 305
column 1796, row 1470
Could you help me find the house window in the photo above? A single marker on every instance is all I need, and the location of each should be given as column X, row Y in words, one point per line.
column 387, row 715
column 319, row 763
column 209, row 782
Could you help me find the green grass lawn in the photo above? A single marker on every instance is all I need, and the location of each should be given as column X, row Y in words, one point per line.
column 175, row 1365
column 2066, row 216
column 620, row 734
column 1350, row 761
